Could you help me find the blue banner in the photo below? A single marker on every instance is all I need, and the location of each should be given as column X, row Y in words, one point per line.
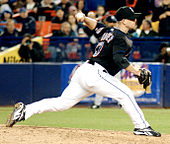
column 32, row 82
column 66, row 70
column 166, row 98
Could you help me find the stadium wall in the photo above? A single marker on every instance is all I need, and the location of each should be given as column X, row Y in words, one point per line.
column 32, row 82
column 166, row 87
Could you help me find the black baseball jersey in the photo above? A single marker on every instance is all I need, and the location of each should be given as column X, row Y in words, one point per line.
column 113, row 49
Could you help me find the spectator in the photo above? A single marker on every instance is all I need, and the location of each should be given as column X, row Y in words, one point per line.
column 10, row 29
column 31, row 51
column 147, row 29
column 43, row 7
column 73, row 50
column 81, row 6
column 72, row 21
column 56, row 2
column 155, row 25
column 4, row 6
column 163, row 15
column 60, row 17
column 32, row 8
column 9, row 33
column 47, row 4
column 110, row 21
column 157, row 3
column 100, row 12
column 61, row 54
column 164, row 53
column 28, row 22
column 65, row 30
column 4, row 17
column 72, row 10
column 17, row 4
column 65, row 4
column 148, row 15
column 81, row 33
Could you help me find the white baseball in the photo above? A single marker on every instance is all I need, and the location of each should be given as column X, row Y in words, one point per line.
column 79, row 16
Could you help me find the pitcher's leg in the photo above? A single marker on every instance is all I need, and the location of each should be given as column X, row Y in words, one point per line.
column 132, row 109
column 113, row 88
column 71, row 96
column 98, row 99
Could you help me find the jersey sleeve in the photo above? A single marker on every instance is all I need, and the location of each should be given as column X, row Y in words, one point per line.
column 121, row 60
column 99, row 30
column 120, row 49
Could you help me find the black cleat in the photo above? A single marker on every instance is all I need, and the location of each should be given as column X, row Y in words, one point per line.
column 17, row 115
column 146, row 131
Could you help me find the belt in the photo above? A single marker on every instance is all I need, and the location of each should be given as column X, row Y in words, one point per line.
column 93, row 63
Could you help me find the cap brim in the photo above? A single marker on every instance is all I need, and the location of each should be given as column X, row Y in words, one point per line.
column 135, row 16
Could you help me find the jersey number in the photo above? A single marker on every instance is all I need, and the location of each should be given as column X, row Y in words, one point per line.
column 107, row 37
column 98, row 49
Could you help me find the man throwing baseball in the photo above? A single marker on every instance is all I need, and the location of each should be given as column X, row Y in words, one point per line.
column 96, row 75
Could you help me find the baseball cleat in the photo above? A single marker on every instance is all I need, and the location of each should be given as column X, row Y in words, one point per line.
column 95, row 106
column 17, row 115
column 146, row 131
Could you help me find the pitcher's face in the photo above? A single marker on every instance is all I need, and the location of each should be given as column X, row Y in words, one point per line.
column 130, row 24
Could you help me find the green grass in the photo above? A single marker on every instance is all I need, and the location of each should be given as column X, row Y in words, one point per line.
column 104, row 119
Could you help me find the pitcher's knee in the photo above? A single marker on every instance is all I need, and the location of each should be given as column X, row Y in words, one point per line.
column 126, row 98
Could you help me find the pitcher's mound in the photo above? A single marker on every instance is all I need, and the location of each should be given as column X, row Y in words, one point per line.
column 48, row 135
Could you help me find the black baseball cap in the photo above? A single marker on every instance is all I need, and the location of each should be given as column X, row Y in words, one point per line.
column 126, row 13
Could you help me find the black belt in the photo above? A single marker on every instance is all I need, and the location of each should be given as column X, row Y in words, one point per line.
column 92, row 62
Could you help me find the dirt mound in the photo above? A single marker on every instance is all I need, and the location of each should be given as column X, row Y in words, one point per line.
column 48, row 135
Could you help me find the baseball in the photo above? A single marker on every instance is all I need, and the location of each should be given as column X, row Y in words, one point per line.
column 79, row 16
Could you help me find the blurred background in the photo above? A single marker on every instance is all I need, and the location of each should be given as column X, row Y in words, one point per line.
column 41, row 42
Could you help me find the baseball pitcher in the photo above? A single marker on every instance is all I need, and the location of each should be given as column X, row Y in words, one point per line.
column 96, row 75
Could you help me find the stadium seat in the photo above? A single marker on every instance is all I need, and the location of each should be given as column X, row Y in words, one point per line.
column 55, row 26
column 131, row 4
column 2, row 24
column 46, row 42
column 52, row 12
column 43, row 28
column 18, row 26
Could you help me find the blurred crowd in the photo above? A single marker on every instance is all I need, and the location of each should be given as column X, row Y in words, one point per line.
column 20, row 17
column 154, row 21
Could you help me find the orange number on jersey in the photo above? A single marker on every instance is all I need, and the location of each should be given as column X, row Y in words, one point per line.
column 98, row 49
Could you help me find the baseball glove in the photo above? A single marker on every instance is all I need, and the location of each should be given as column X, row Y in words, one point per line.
column 145, row 78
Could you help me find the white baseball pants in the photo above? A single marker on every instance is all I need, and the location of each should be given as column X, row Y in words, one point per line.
column 89, row 79
column 99, row 98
